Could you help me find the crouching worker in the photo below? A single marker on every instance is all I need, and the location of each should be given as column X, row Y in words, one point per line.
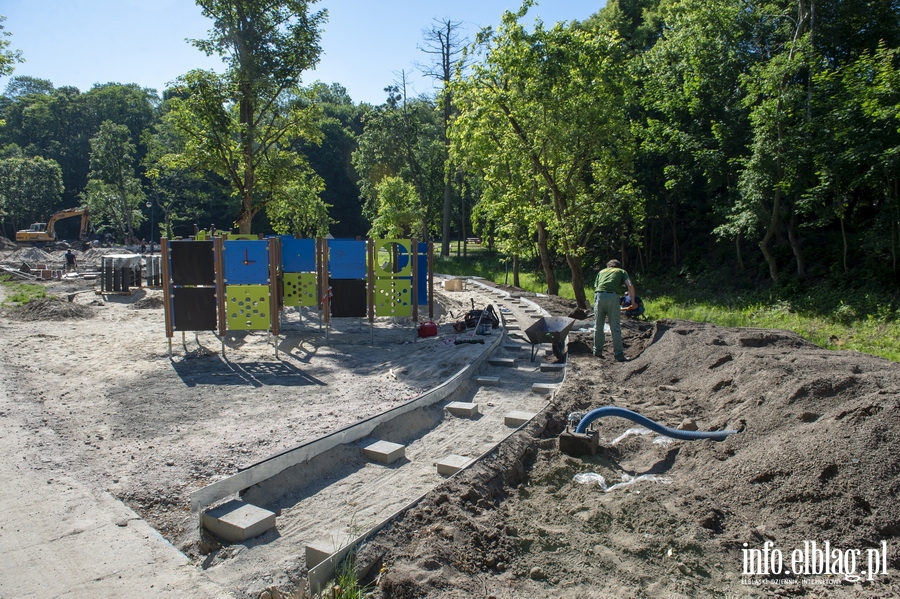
column 632, row 309
column 609, row 286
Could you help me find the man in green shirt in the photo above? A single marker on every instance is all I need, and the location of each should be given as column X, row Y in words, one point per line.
column 611, row 282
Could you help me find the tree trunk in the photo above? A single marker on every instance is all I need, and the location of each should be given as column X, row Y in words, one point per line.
column 844, row 239
column 770, row 232
column 740, row 254
column 577, row 281
column 552, row 284
column 795, row 246
column 516, row 271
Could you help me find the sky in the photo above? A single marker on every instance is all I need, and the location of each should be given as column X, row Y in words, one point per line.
column 366, row 44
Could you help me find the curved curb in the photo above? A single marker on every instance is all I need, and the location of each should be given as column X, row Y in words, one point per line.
column 269, row 467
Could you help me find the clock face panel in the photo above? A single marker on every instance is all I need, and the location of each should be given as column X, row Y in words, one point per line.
column 246, row 262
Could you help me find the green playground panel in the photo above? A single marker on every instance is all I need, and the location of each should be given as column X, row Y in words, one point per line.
column 300, row 289
column 383, row 249
column 247, row 307
column 393, row 297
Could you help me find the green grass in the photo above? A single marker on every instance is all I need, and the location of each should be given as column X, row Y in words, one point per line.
column 17, row 294
column 841, row 328
column 830, row 317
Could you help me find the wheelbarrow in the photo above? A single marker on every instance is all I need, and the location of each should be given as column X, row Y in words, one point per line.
column 550, row 329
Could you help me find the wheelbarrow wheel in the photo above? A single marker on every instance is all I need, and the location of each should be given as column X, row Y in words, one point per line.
column 559, row 349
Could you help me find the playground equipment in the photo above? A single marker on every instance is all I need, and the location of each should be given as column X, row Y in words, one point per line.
column 225, row 284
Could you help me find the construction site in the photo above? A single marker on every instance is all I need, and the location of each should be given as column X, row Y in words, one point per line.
column 253, row 463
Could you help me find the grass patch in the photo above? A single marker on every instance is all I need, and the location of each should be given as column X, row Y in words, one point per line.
column 18, row 294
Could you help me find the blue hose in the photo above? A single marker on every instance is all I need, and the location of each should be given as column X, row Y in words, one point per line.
column 653, row 426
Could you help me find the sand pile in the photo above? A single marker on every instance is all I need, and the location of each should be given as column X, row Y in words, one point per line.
column 51, row 309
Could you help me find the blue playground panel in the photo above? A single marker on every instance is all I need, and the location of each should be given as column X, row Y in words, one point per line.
column 422, row 272
column 347, row 259
column 298, row 255
column 246, row 262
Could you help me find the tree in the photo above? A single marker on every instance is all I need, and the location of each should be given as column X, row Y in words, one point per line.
column 31, row 191
column 399, row 209
column 341, row 124
column 402, row 138
column 443, row 42
column 113, row 193
column 23, row 85
column 691, row 125
column 554, row 100
column 7, row 57
column 240, row 125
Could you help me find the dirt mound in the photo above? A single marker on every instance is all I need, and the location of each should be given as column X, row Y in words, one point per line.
column 51, row 309
column 815, row 461
column 148, row 303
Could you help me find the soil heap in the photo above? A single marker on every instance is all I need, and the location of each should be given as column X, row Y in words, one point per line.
column 815, row 460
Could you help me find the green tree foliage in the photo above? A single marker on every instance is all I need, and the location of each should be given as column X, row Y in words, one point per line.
column 240, row 125
column 341, row 124
column 57, row 123
column 402, row 138
column 553, row 101
column 30, row 192
column 113, row 193
column 399, row 211
column 8, row 58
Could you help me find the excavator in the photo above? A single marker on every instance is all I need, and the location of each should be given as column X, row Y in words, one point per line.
column 40, row 233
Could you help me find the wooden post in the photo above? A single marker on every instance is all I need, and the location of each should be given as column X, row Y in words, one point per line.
column 414, row 261
column 219, row 259
column 431, row 280
column 167, row 291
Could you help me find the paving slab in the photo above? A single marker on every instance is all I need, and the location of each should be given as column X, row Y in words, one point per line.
column 236, row 521
column 557, row 367
column 488, row 381
column 384, row 452
column 463, row 409
column 452, row 464
column 507, row 362
column 517, row 418
column 544, row 387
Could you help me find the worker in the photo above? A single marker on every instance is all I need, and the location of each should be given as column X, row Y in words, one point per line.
column 71, row 262
column 609, row 285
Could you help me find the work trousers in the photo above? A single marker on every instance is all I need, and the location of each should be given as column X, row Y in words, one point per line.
column 606, row 307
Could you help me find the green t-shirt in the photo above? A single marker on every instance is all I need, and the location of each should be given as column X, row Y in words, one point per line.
column 611, row 280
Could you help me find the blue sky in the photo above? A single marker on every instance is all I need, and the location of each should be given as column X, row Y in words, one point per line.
column 366, row 43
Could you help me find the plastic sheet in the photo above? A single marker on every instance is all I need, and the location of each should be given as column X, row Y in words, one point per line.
column 592, row 478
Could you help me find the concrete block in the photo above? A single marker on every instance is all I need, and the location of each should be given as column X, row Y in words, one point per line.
column 384, row 452
column 559, row 367
column 508, row 362
column 544, row 388
column 512, row 347
column 513, row 327
column 517, row 418
column 462, row 408
column 488, row 381
column 452, row 464
column 318, row 551
column 237, row 521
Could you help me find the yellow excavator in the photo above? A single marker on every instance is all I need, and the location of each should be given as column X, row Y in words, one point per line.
column 46, row 232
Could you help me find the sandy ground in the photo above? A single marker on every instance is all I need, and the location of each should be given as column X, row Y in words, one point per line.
column 150, row 428
column 816, row 459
